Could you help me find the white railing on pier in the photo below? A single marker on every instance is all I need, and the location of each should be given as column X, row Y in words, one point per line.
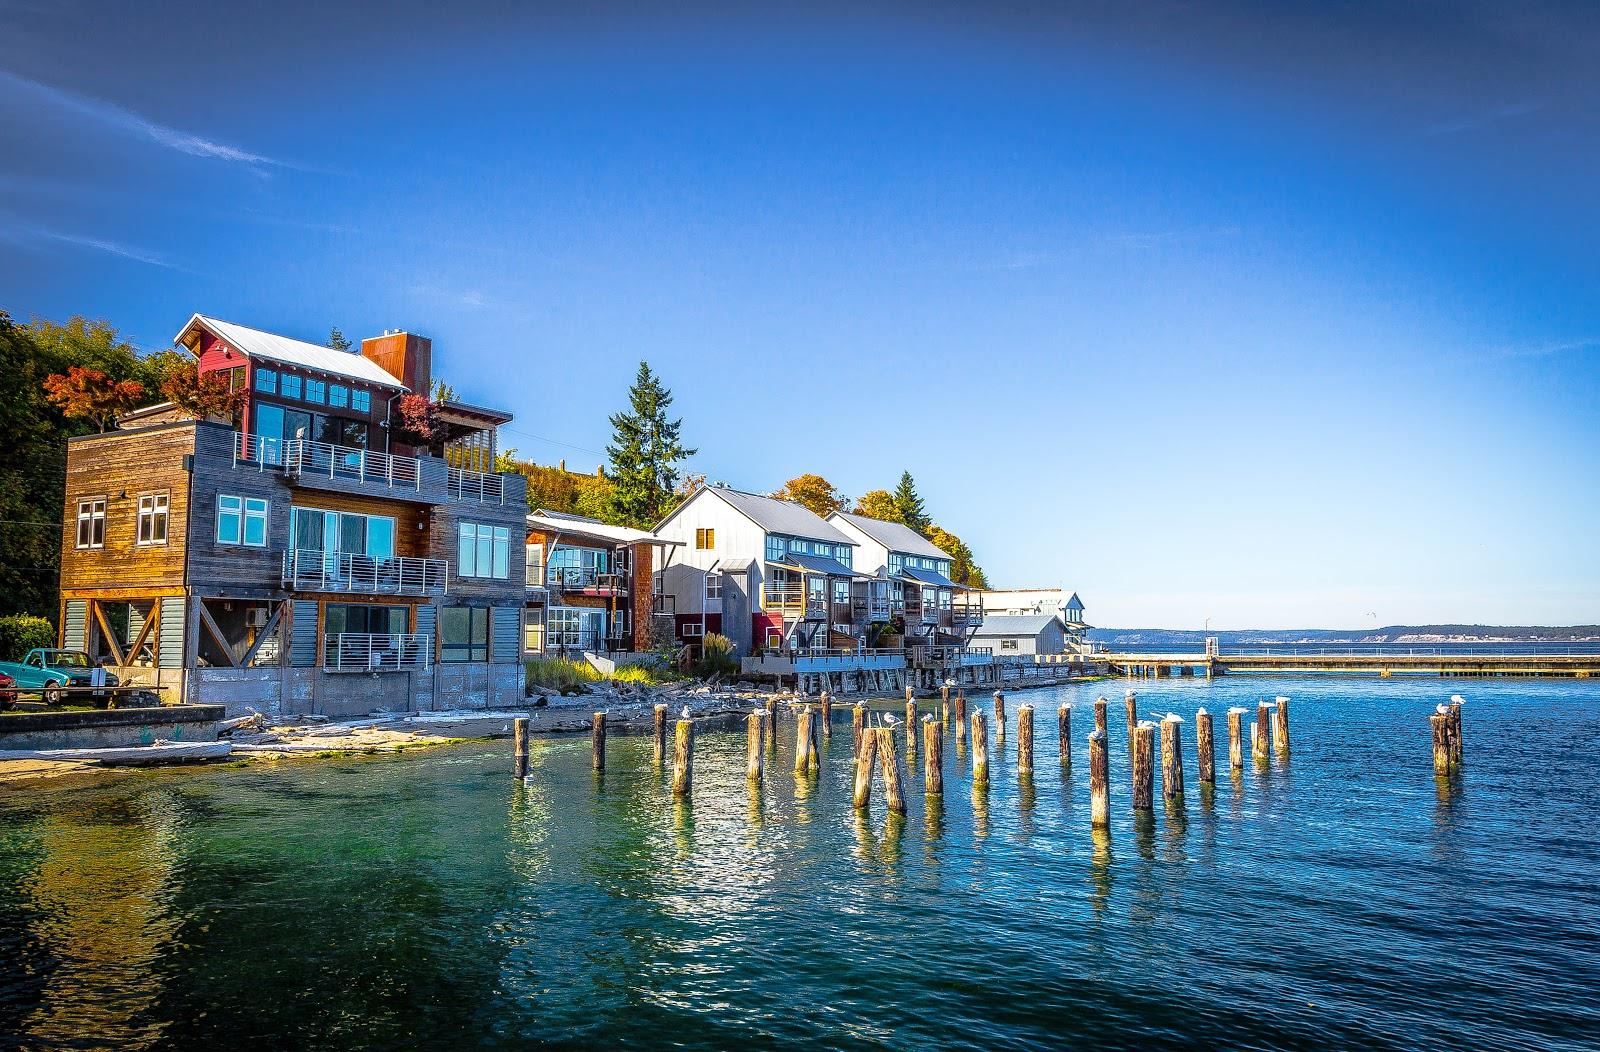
column 480, row 486
column 321, row 459
column 311, row 570
column 377, row 652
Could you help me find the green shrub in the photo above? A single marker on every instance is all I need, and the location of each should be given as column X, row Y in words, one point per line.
column 716, row 657
column 20, row 633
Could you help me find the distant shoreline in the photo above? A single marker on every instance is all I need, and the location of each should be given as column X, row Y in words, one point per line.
column 1418, row 635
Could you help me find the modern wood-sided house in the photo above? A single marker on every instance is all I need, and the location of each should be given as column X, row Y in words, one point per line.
column 912, row 584
column 307, row 556
column 768, row 574
column 591, row 586
column 1064, row 606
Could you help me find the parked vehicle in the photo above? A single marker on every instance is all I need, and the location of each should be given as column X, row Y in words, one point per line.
column 51, row 670
column 8, row 696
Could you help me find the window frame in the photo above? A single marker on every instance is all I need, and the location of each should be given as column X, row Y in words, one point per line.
column 714, row 587
column 294, row 380
column 450, row 653
column 487, row 542
column 705, row 538
column 316, row 391
column 94, row 518
column 266, row 380
column 158, row 512
column 360, row 400
column 338, row 396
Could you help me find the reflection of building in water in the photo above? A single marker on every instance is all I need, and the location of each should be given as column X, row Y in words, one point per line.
column 98, row 905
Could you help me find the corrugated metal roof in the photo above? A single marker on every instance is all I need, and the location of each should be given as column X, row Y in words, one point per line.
column 938, row 580
column 894, row 536
column 781, row 516
column 821, row 564
column 1013, row 624
column 257, row 344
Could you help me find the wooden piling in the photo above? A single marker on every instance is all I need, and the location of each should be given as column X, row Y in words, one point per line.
column 1025, row 741
column 1260, row 741
column 1236, row 737
column 1099, row 785
column 827, row 715
column 802, row 743
column 1131, row 705
column 519, row 747
column 683, row 758
column 889, row 764
column 911, row 733
column 661, row 735
column 1064, row 727
column 772, row 724
column 961, row 718
column 1441, row 743
column 858, row 723
column 1100, row 715
column 944, row 703
column 866, row 758
column 932, row 757
column 1456, row 750
column 980, row 751
column 1280, row 727
column 1172, row 759
column 1205, row 748
column 909, row 694
column 813, row 752
column 999, row 708
column 597, row 740
column 1143, row 753
column 752, row 745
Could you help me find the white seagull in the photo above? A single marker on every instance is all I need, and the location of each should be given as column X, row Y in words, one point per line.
column 686, row 712
column 890, row 719
column 1456, row 699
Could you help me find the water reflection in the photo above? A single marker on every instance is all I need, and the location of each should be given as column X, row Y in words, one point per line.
column 1026, row 799
column 1099, row 868
column 980, row 811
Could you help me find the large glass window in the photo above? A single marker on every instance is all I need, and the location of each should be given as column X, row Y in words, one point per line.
column 92, row 523
column 463, row 634
column 361, row 401
column 896, row 563
column 152, row 518
column 316, row 391
column 376, row 620
column 841, row 590
column 842, row 552
column 242, row 520
column 338, row 395
column 350, row 533
column 774, row 548
column 289, row 386
column 267, row 380
column 571, row 627
column 483, row 551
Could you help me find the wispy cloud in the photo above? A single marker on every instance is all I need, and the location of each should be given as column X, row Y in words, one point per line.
column 134, row 124
column 37, row 235
column 1547, row 350
column 1491, row 115
column 1160, row 238
column 470, row 298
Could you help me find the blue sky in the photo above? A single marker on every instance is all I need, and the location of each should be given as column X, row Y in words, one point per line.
column 1276, row 317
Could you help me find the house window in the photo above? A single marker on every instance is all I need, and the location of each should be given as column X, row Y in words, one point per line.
column 242, row 520
column 316, row 391
column 714, row 586
column 361, row 401
column 841, row 590
column 1008, row 644
column 705, row 539
column 92, row 523
column 338, row 396
column 691, row 630
column 290, row 386
column 774, row 549
column 823, row 550
column 483, row 551
column 153, row 518
column 944, row 567
column 797, row 545
column 463, row 634
column 267, row 381
column 351, row 533
column 841, row 552
column 896, row 563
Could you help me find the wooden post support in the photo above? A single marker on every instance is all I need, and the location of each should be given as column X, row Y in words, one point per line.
column 661, row 735
column 1099, row 785
column 772, row 724
column 752, row 745
column 813, row 752
column 1172, row 758
column 889, row 763
column 827, row 715
column 999, row 709
column 802, row 742
column 1260, row 742
column 858, row 723
column 961, row 718
column 1456, row 701
column 911, row 732
column 597, row 740
column 980, row 751
column 944, row 703
column 909, row 695
column 1205, row 748
column 519, row 748
column 1100, row 715
column 1025, row 740
column 1280, row 726
column 1131, row 705
column 1236, row 737
column 683, row 758
column 866, row 758
column 1143, row 752
column 932, row 756
column 1064, row 726
column 1441, row 742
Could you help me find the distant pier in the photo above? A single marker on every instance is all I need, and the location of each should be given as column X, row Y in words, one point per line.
column 1399, row 663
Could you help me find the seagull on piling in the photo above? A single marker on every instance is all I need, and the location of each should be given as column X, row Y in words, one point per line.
column 890, row 719
column 1443, row 710
column 1173, row 717
column 686, row 712
column 1456, row 699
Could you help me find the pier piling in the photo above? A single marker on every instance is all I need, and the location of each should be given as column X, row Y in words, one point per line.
column 661, row 735
column 889, row 763
column 866, row 758
column 999, row 709
column 597, row 740
column 980, row 751
column 912, row 730
column 683, row 758
column 944, row 703
column 1172, row 759
column 1143, row 753
column 1280, row 727
column 1441, row 743
column 1205, row 748
column 961, row 719
column 1100, row 715
column 1456, row 702
column 1099, row 788
column 1025, row 741
column 858, row 723
column 1064, row 728
column 827, row 715
column 753, row 726
column 932, row 756
column 1236, row 738
column 802, row 742
column 1129, row 703
column 519, row 748
column 1260, row 740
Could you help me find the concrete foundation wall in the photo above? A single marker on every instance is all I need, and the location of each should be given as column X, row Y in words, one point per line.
column 109, row 729
column 278, row 692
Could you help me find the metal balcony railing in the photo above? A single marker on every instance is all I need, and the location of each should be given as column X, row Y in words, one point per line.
column 579, row 578
column 257, row 451
column 377, row 652
column 310, row 570
column 322, row 460
column 480, row 486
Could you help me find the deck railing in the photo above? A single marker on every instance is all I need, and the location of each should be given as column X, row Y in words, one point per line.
column 377, row 652
column 480, row 486
column 257, row 451
column 310, row 570
column 794, row 602
column 324, row 460
column 579, row 578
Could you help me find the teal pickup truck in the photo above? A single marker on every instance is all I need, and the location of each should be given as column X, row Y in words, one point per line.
column 48, row 671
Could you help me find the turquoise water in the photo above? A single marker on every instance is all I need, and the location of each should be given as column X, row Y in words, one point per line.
column 1344, row 900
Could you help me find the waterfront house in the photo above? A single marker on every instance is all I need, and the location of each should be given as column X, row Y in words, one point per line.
column 309, row 555
column 911, row 587
column 591, row 586
column 1021, row 635
column 1065, row 606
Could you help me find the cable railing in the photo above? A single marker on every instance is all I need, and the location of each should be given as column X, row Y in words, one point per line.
column 324, row 460
column 579, row 578
column 377, row 652
column 311, row 570
column 257, row 451
column 475, row 485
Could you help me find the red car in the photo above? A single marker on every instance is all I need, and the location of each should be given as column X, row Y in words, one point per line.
column 8, row 693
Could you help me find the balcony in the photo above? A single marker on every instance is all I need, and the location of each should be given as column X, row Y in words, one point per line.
column 794, row 604
column 377, row 652
column 350, row 464
column 475, row 486
column 586, row 580
column 310, row 570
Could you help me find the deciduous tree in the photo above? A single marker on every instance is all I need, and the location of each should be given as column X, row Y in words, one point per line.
column 878, row 504
column 90, row 394
column 201, row 396
column 813, row 492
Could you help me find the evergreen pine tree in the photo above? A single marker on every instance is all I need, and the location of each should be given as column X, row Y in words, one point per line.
column 337, row 341
column 912, row 511
column 645, row 450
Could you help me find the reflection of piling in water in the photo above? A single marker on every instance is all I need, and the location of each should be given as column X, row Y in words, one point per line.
column 1441, row 742
column 752, row 746
column 1064, row 732
column 597, row 740
column 1236, row 738
column 858, row 724
column 1172, row 759
column 661, row 735
column 889, row 763
column 826, row 703
column 980, row 751
column 1260, row 743
column 912, row 729
column 1143, row 754
column 866, row 757
column 1025, row 741
column 1100, row 715
column 1205, row 748
column 519, row 747
column 1099, row 787
column 1280, row 727
column 932, row 757
column 683, row 758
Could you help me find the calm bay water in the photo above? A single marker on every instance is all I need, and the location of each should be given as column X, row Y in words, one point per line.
column 1345, row 900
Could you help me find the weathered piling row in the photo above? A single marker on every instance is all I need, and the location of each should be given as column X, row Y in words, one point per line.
column 661, row 734
column 1236, row 737
column 858, row 724
column 1205, row 748
column 826, row 702
column 1172, row 758
column 1280, row 726
column 752, row 745
column 597, row 740
column 683, row 758
column 519, row 747
column 866, row 758
column 1099, row 785
column 1143, row 753
column 980, row 751
column 1025, row 740
column 932, row 756
column 1260, row 740
column 1064, row 727
column 1100, row 715
column 1441, row 742
column 889, row 763
column 912, row 730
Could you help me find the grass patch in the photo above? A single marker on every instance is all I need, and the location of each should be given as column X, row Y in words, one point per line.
column 565, row 675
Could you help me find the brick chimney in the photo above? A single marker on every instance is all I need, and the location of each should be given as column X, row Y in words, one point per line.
column 406, row 357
